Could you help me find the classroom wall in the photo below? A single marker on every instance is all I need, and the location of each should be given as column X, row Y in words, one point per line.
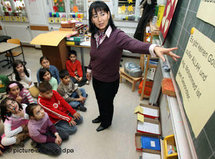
column 184, row 19
column 38, row 12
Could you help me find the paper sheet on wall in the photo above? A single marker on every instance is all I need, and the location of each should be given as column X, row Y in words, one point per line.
column 195, row 78
column 206, row 11
column 52, row 38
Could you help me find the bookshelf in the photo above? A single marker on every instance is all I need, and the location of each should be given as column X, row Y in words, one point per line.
column 145, row 61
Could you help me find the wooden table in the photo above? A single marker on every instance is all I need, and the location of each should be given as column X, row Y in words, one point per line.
column 53, row 46
column 7, row 47
column 57, row 55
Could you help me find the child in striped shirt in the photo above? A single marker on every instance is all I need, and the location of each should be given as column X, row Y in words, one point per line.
column 15, row 122
column 16, row 91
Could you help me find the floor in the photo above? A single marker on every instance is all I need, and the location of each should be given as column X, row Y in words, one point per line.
column 116, row 142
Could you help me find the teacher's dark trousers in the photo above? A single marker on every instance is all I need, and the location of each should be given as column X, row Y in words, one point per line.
column 105, row 93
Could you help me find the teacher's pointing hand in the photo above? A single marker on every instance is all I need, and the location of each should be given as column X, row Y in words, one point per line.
column 160, row 51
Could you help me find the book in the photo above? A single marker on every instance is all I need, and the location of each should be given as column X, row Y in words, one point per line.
column 150, row 143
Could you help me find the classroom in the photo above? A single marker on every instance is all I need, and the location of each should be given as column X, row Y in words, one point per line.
column 105, row 79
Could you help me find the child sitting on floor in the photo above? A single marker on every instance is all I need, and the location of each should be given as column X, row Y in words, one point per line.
column 44, row 61
column 23, row 75
column 43, row 132
column 76, row 97
column 45, row 75
column 75, row 69
column 16, row 91
column 15, row 122
column 60, row 112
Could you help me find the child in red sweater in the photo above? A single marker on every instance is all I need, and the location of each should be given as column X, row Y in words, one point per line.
column 60, row 112
column 75, row 69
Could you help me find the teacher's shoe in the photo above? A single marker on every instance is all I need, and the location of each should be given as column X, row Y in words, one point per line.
column 96, row 120
column 100, row 128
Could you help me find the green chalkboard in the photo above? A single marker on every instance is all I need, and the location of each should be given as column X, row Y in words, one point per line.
column 184, row 19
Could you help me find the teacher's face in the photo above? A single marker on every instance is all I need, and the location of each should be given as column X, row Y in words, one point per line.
column 100, row 19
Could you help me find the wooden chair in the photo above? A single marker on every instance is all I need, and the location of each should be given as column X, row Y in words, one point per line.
column 16, row 52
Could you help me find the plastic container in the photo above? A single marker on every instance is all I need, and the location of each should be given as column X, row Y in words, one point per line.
column 170, row 151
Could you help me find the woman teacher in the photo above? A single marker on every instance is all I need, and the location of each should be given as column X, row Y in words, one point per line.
column 107, row 44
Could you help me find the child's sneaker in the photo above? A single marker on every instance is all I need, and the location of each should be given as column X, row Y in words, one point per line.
column 82, row 108
column 87, row 82
column 33, row 144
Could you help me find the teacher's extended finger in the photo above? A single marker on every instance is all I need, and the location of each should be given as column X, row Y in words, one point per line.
column 173, row 48
column 162, row 58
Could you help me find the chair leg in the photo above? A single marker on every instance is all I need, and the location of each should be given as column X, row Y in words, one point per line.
column 23, row 56
column 133, row 86
column 9, row 62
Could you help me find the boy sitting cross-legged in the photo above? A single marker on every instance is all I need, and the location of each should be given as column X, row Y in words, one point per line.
column 75, row 96
column 60, row 112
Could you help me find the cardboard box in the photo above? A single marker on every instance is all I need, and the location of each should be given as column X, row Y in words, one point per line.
column 139, row 145
column 167, row 87
column 149, row 111
column 150, row 126
column 147, row 89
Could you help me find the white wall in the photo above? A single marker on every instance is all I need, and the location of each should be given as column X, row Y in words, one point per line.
column 38, row 12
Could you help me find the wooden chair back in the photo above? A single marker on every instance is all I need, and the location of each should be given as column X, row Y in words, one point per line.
column 14, row 41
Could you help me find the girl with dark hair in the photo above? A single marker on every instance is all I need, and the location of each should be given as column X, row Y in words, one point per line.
column 107, row 44
column 45, row 75
column 23, row 75
column 15, row 122
column 43, row 132
column 44, row 62
column 16, row 91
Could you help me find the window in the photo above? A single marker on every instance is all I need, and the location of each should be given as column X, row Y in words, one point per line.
column 76, row 8
column 19, row 7
column 13, row 7
column 59, row 6
column 126, row 7
column 6, row 7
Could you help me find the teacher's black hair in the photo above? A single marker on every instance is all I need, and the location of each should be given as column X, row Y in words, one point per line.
column 99, row 6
